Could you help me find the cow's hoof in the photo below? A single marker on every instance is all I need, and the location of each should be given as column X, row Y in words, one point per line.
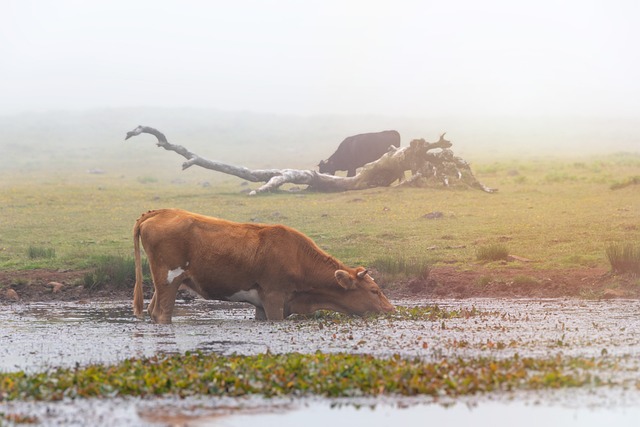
column 260, row 314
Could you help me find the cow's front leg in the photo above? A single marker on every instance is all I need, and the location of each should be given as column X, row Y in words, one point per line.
column 273, row 305
column 163, row 309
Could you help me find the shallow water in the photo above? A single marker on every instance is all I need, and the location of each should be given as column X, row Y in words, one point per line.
column 493, row 414
column 38, row 336
column 553, row 408
column 42, row 335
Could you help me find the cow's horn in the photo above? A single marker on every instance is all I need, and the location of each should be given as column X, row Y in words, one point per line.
column 362, row 273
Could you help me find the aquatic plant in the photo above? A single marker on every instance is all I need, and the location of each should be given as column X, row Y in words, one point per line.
column 423, row 312
column 329, row 375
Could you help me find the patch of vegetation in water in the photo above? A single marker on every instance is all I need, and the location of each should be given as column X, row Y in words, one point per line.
column 330, row 375
column 421, row 313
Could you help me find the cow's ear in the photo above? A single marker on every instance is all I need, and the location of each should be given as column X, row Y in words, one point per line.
column 344, row 279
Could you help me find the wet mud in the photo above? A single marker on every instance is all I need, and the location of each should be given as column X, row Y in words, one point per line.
column 38, row 336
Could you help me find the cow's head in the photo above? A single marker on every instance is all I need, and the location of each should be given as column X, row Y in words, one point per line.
column 362, row 294
column 325, row 166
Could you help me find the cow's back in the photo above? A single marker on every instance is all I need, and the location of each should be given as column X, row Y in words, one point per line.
column 224, row 256
column 357, row 150
column 371, row 146
column 216, row 252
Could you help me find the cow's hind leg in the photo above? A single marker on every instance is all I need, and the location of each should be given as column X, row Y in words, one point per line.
column 152, row 303
column 166, row 287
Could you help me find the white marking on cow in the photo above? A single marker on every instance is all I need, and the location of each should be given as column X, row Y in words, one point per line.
column 171, row 276
column 251, row 296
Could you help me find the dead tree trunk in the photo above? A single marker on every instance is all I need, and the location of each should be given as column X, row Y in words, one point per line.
column 440, row 166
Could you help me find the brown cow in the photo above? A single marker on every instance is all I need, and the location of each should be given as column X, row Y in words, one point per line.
column 273, row 267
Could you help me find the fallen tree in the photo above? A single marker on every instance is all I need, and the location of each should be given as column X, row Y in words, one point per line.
column 427, row 167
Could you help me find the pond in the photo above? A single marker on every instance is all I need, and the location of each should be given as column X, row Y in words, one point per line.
column 38, row 336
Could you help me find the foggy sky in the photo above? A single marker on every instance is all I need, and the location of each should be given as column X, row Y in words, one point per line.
column 397, row 57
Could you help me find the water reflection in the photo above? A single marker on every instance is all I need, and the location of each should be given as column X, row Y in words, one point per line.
column 494, row 414
column 160, row 340
column 42, row 335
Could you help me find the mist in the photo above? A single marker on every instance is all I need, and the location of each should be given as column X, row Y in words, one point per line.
column 295, row 78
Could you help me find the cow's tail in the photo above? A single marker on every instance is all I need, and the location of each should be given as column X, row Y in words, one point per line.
column 138, row 296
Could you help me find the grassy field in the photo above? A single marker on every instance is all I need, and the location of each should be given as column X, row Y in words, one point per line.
column 558, row 212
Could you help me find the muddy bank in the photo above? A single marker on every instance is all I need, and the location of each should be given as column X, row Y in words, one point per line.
column 512, row 280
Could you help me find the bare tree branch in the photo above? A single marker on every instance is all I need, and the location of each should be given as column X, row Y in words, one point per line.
column 383, row 172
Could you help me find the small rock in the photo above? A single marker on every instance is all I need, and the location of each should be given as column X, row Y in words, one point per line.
column 12, row 295
column 433, row 215
column 55, row 286
column 612, row 293
column 517, row 258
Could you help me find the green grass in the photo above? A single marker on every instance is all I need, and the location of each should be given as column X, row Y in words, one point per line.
column 558, row 224
column 401, row 267
column 522, row 280
column 624, row 258
column 39, row 252
column 634, row 180
column 494, row 252
column 295, row 374
column 113, row 270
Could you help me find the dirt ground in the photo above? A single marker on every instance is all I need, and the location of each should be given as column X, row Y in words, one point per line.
column 443, row 282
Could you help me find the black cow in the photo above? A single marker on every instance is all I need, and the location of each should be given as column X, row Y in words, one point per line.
column 358, row 150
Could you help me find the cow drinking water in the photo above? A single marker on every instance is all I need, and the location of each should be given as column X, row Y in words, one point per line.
column 273, row 267
column 358, row 150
